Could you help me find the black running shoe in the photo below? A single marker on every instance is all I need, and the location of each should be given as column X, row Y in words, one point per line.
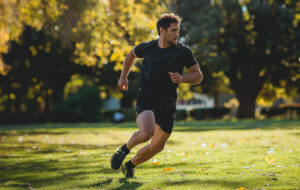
column 129, row 173
column 117, row 159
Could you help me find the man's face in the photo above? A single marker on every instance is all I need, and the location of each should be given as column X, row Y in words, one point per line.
column 171, row 34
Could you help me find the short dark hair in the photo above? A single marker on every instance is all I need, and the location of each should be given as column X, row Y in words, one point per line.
column 166, row 19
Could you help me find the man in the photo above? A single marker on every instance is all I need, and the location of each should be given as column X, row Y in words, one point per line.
column 161, row 72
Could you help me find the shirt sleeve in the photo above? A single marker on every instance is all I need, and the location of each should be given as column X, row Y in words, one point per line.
column 140, row 49
column 189, row 58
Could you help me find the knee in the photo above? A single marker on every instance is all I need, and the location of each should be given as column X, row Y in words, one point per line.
column 146, row 135
column 157, row 148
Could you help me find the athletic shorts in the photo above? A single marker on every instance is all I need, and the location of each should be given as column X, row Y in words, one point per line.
column 164, row 113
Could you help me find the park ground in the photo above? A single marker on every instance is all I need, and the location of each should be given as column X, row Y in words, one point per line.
column 240, row 154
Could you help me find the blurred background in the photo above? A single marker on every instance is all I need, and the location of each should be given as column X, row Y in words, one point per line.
column 60, row 60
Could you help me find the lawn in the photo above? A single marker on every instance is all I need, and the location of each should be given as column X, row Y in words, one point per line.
column 246, row 154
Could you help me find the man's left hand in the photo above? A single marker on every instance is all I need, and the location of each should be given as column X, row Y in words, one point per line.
column 176, row 77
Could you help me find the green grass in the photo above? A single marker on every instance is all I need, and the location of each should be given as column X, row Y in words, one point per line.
column 255, row 154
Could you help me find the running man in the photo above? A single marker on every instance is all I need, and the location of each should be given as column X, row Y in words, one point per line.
column 161, row 72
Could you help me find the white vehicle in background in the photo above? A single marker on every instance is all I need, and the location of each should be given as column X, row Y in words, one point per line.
column 197, row 101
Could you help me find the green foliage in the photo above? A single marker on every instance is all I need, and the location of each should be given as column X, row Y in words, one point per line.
column 251, row 42
column 181, row 115
column 39, row 69
column 82, row 105
column 209, row 113
column 287, row 111
column 41, row 41
column 129, row 113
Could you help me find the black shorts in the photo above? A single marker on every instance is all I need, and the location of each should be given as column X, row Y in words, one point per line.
column 164, row 113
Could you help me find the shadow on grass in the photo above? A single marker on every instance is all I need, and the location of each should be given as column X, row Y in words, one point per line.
column 17, row 172
column 57, row 148
column 237, row 125
column 36, row 132
column 107, row 181
column 204, row 183
column 127, row 184
column 33, row 172
column 267, row 124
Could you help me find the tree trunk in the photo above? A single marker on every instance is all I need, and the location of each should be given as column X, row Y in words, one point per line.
column 47, row 107
column 216, row 99
column 247, row 100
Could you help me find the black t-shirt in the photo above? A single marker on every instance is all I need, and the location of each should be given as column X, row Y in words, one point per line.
column 155, row 82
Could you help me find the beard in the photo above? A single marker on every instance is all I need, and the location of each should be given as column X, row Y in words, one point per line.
column 171, row 41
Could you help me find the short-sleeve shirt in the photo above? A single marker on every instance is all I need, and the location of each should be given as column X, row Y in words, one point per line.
column 155, row 83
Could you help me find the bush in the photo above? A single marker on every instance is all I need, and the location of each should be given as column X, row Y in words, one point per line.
column 129, row 113
column 209, row 113
column 84, row 105
column 284, row 111
column 181, row 115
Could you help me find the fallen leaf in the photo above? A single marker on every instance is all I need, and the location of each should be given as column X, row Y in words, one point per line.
column 183, row 154
column 168, row 169
column 3, row 153
column 182, row 160
column 270, row 161
column 155, row 162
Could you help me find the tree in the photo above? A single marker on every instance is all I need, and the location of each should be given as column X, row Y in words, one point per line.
column 38, row 36
column 253, row 42
column 40, row 68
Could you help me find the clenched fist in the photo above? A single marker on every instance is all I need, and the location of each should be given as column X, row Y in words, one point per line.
column 176, row 77
column 123, row 84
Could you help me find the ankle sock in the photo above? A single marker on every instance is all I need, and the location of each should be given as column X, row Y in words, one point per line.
column 125, row 149
column 129, row 165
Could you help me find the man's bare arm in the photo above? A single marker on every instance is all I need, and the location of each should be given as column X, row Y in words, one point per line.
column 127, row 64
column 193, row 77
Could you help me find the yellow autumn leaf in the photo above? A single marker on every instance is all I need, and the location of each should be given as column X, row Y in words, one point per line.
column 167, row 169
column 3, row 153
column 270, row 161
column 155, row 163
column 183, row 154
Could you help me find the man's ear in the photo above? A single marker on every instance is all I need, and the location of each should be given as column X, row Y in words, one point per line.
column 161, row 29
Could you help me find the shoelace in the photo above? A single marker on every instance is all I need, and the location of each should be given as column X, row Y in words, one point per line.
column 121, row 152
column 132, row 170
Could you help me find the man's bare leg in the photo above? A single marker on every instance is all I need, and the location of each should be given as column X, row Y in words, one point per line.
column 157, row 144
column 146, row 124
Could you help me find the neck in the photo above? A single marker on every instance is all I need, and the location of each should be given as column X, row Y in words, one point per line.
column 162, row 43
